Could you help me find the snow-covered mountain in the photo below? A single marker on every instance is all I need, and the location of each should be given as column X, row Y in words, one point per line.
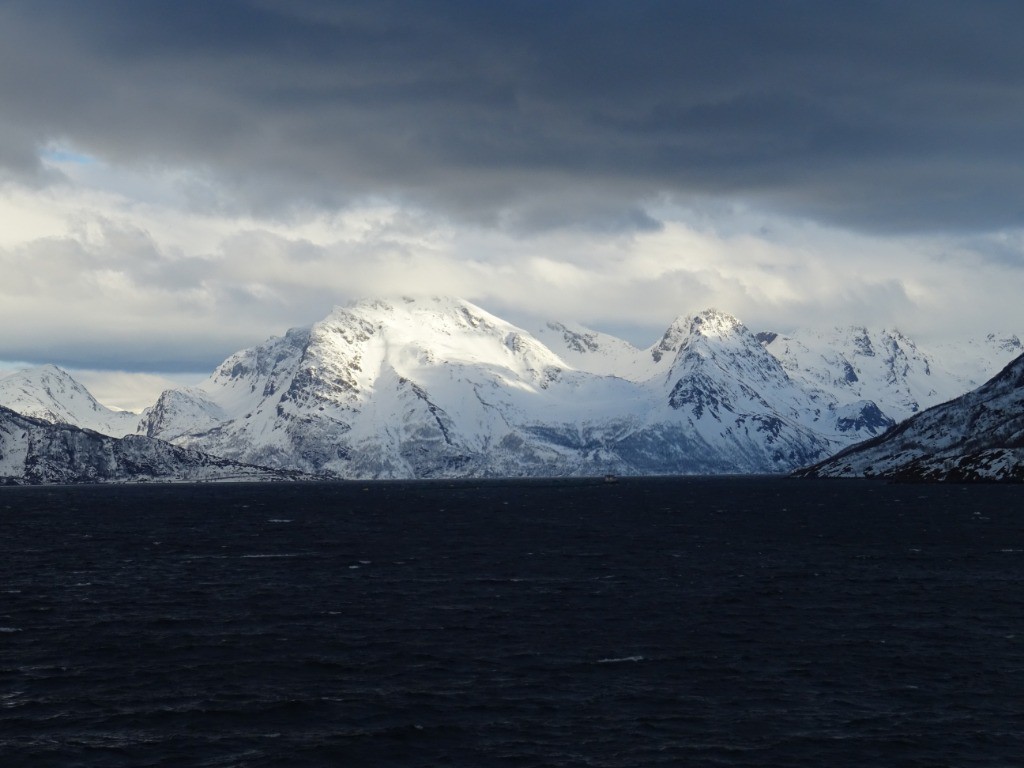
column 51, row 394
column 885, row 367
column 848, row 365
column 978, row 436
column 731, row 392
column 36, row 451
column 439, row 387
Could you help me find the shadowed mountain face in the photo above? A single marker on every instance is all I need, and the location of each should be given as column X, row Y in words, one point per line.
column 35, row 451
column 978, row 436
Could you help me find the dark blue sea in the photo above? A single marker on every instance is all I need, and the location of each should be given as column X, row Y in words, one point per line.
column 655, row 622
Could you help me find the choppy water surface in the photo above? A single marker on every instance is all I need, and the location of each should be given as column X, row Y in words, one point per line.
column 697, row 622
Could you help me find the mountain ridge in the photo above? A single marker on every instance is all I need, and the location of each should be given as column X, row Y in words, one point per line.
column 439, row 387
column 35, row 451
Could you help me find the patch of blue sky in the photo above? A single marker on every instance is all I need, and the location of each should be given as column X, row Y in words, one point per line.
column 65, row 155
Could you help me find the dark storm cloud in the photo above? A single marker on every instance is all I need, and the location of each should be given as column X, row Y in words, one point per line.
column 885, row 116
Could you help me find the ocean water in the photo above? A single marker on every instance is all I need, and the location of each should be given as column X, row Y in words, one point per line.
column 683, row 622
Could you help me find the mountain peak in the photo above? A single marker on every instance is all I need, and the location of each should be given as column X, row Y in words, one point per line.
column 41, row 372
column 712, row 322
column 435, row 303
column 692, row 332
column 50, row 393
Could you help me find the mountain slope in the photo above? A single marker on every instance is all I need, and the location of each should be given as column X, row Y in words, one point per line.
column 978, row 436
column 585, row 349
column 50, row 393
column 732, row 393
column 35, row 451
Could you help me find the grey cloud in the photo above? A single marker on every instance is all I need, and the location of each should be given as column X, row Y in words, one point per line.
column 1001, row 249
column 882, row 116
column 19, row 158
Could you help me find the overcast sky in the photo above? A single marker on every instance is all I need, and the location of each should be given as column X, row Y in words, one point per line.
column 179, row 180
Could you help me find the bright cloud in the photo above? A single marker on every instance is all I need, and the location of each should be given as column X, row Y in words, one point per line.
column 95, row 275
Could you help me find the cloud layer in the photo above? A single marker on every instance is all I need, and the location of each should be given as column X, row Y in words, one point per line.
column 180, row 179
column 881, row 116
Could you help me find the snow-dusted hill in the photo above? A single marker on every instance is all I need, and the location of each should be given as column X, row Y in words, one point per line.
column 36, row 451
column 51, row 394
column 978, row 436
